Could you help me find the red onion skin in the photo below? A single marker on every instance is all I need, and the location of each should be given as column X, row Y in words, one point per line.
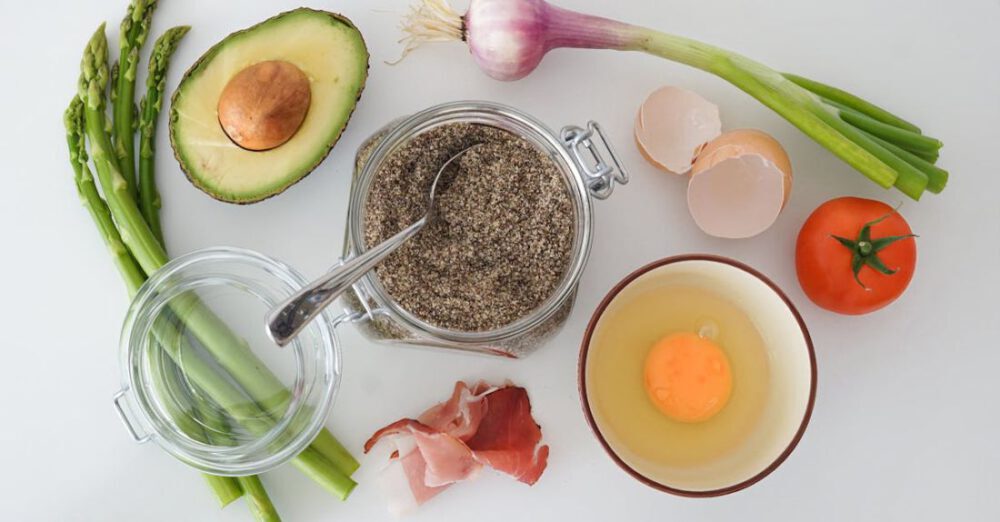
column 508, row 38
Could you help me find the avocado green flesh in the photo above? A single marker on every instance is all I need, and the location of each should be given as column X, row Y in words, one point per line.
column 332, row 54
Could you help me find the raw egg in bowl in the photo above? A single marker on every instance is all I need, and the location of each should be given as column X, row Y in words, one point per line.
column 697, row 375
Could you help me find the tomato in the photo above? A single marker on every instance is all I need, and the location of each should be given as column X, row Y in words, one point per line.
column 854, row 256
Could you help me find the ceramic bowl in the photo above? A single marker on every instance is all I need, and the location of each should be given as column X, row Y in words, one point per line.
column 792, row 385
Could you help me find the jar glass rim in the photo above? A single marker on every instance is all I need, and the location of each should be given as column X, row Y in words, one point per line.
column 317, row 366
column 529, row 128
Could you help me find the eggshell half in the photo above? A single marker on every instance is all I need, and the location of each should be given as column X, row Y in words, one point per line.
column 737, row 197
column 673, row 125
column 741, row 142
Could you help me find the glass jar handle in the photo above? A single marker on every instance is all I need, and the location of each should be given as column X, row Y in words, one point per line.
column 600, row 176
column 125, row 418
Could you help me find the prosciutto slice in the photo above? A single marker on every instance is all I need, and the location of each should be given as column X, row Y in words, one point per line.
column 461, row 414
column 508, row 437
column 477, row 426
column 446, row 459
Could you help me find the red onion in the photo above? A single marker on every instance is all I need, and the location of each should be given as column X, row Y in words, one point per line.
column 508, row 38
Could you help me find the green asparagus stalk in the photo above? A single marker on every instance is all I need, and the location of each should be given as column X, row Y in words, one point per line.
column 165, row 379
column 225, row 489
column 149, row 197
column 259, row 502
column 130, row 271
column 245, row 411
column 134, row 231
column 331, row 449
column 149, row 202
column 142, row 243
column 252, row 375
column 224, row 346
column 237, row 405
column 133, row 33
column 217, row 431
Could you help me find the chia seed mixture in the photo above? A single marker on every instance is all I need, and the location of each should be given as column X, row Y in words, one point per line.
column 503, row 237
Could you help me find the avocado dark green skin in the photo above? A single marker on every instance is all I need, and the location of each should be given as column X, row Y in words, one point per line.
column 211, row 53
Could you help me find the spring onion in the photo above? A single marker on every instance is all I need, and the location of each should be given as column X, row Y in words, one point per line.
column 509, row 38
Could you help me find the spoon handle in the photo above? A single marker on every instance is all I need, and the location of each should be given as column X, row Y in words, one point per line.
column 292, row 315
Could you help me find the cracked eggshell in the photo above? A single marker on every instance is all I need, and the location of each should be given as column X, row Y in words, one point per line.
column 673, row 125
column 745, row 141
column 739, row 184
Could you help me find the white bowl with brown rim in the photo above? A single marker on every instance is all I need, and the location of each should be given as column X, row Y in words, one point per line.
column 791, row 389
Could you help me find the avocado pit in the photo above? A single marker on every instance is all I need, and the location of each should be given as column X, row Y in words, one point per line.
column 264, row 105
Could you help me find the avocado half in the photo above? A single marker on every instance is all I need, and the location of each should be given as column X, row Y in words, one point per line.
column 332, row 54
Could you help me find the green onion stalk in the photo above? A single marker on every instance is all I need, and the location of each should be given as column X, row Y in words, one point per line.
column 509, row 38
column 138, row 253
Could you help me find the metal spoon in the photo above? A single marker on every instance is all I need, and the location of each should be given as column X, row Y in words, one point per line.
column 288, row 318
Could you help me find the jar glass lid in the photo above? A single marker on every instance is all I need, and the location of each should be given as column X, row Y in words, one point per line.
column 201, row 378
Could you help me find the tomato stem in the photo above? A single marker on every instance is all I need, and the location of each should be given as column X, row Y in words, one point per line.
column 865, row 250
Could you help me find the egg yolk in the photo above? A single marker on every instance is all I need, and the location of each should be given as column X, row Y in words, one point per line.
column 687, row 377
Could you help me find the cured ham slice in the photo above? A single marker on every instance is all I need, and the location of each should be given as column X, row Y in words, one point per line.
column 453, row 440
column 460, row 415
column 508, row 437
column 446, row 459
column 403, row 485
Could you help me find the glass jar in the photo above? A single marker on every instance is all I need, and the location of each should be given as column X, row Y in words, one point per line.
column 580, row 156
column 201, row 379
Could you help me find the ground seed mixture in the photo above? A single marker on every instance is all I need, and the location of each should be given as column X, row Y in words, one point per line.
column 504, row 235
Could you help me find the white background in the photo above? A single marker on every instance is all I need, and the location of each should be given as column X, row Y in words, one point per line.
column 907, row 422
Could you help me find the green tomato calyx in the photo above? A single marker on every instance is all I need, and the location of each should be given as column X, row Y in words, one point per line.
column 865, row 250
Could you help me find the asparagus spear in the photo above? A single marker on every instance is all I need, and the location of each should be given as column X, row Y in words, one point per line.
column 217, row 431
column 257, row 499
column 133, row 33
column 244, row 409
column 165, row 380
column 149, row 197
column 134, row 231
column 226, row 489
column 311, row 462
column 91, row 199
column 224, row 346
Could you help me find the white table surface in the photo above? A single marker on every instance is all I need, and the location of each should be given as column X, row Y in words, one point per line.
column 906, row 424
